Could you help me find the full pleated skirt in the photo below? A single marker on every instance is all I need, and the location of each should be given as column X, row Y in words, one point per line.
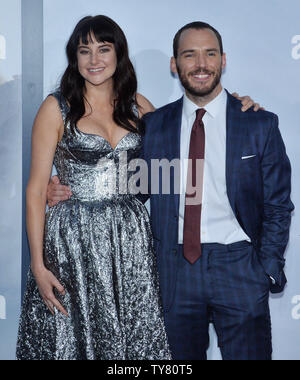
column 102, row 253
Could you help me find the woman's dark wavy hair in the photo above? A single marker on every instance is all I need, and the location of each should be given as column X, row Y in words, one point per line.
column 72, row 85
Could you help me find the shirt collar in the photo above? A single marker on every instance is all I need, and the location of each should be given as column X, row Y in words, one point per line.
column 213, row 108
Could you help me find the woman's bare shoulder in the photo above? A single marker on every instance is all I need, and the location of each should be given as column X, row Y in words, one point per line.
column 50, row 113
column 145, row 106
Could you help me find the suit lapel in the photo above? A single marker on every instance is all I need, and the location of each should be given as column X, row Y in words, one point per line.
column 234, row 147
column 172, row 141
column 234, row 144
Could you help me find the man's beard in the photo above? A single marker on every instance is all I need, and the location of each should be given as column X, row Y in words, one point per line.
column 196, row 91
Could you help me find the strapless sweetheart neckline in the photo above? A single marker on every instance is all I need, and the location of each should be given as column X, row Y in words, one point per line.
column 103, row 138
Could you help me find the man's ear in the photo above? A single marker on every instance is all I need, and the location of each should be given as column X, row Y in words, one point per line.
column 173, row 66
column 224, row 61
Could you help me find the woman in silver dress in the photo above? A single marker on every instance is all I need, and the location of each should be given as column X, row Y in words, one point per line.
column 92, row 289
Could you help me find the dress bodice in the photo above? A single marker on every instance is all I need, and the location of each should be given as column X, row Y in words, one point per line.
column 90, row 166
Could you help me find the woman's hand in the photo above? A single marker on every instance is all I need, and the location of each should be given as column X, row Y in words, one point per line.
column 56, row 192
column 46, row 282
column 247, row 103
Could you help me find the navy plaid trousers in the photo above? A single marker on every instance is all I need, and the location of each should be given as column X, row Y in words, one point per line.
column 228, row 287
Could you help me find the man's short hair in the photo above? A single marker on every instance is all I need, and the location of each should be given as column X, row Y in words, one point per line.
column 198, row 25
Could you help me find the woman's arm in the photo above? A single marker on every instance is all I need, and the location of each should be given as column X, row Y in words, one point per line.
column 145, row 106
column 47, row 131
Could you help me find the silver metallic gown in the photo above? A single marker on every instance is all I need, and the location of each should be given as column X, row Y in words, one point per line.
column 99, row 246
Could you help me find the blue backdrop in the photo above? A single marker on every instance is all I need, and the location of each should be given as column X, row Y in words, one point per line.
column 10, row 173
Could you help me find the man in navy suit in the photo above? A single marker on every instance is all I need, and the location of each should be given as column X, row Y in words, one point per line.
column 219, row 263
column 218, row 258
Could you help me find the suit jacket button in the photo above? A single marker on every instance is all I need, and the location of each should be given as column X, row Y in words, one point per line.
column 174, row 251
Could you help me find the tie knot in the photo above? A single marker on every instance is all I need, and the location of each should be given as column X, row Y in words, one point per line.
column 199, row 114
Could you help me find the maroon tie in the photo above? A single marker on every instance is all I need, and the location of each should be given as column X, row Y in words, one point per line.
column 193, row 205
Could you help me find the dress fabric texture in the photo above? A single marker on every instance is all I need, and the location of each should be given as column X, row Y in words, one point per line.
column 99, row 246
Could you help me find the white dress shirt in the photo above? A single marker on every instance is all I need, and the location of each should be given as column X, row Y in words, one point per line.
column 218, row 222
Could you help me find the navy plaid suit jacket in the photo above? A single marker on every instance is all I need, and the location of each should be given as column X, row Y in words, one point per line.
column 258, row 188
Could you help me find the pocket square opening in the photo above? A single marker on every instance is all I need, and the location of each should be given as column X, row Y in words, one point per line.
column 247, row 157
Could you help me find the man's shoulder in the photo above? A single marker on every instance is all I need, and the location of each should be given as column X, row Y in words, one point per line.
column 250, row 115
column 260, row 118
